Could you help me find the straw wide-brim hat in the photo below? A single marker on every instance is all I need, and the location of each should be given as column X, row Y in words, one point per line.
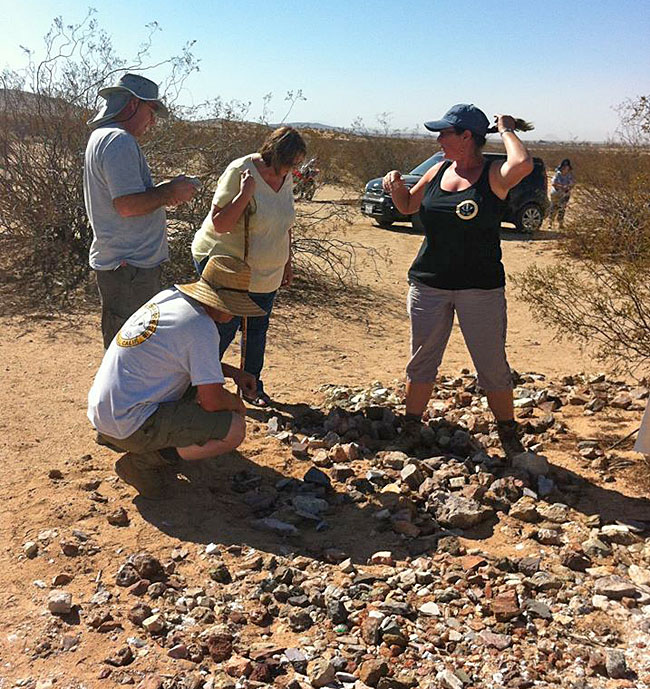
column 224, row 285
column 117, row 96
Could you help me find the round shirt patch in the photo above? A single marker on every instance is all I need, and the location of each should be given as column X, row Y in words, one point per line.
column 140, row 327
column 466, row 210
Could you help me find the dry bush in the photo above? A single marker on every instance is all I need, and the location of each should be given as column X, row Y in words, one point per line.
column 601, row 297
column 43, row 110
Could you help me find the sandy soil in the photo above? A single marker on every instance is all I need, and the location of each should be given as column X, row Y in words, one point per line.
column 48, row 365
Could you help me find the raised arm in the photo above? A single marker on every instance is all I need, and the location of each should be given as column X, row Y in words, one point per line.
column 224, row 219
column 407, row 201
column 518, row 162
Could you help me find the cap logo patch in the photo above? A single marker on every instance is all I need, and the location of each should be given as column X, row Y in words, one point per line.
column 466, row 210
column 140, row 327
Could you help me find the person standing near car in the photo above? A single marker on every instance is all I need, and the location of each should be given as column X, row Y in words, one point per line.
column 458, row 269
column 562, row 183
column 126, row 210
column 254, row 199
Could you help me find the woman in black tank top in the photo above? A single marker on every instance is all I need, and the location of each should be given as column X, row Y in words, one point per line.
column 458, row 269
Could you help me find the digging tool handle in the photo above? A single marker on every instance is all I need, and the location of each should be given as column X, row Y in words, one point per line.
column 244, row 320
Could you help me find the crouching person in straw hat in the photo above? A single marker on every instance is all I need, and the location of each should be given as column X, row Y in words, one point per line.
column 125, row 208
column 159, row 394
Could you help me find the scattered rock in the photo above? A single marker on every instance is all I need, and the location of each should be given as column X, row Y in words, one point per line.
column 59, row 602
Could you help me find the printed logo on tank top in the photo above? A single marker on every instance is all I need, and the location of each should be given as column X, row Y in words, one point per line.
column 140, row 327
column 466, row 210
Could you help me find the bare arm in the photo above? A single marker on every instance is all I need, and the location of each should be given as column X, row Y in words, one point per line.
column 214, row 397
column 171, row 193
column 224, row 219
column 246, row 381
column 407, row 201
column 518, row 162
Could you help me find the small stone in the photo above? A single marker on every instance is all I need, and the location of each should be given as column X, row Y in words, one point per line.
column 321, row 672
column 221, row 574
column 62, row 579
column 498, row 641
column 139, row 588
column 147, row 566
column 639, row 575
column 300, row 450
column 556, row 513
column 318, row 477
column 615, row 587
column 448, row 680
column 525, row 510
column 123, row 656
column 616, row 664
column 237, row 666
column 412, row 476
column 69, row 547
column 220, row 646
column 430, row 609
column 118, row 517
column 59, row 602
column 548, row 537
column 275, row 526
column 139, row 613
column 382, row 557
column 55, row 474
column 178, row 651
column 534, row 464
column 30, row 548
column 575, row 560
column 371, row 671
column 459, row 512
column 155, row 624
column 505, row 606
column 535, row 608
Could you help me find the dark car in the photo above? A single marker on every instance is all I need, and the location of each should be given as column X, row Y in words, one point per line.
column 527, row 202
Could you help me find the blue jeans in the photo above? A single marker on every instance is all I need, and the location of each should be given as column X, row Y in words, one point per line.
column 257, row 329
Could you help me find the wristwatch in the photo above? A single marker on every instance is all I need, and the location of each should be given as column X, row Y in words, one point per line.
column 507, row 129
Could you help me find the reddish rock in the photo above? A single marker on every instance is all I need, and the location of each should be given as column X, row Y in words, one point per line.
column 238, row 666
column 472, row 562
column 139, row 588
column 505, row 606
column 370, row 630
column 371, row 671
column 219, row 647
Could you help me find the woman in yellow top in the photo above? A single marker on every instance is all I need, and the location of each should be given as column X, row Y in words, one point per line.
column 262, row 183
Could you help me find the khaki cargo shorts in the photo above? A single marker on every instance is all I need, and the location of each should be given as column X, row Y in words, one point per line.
column 173, row 424
column 482, row 319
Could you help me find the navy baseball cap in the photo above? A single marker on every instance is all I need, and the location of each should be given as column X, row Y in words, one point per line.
column 463, row 115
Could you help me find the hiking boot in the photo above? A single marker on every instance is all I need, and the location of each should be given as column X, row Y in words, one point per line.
column 509, row 436
column 144, row 472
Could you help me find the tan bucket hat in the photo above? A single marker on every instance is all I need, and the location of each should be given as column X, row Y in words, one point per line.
column 224, row 285
column 129, row 86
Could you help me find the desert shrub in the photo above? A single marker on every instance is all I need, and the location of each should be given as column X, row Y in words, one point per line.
column 44, row 106
column 601, row 297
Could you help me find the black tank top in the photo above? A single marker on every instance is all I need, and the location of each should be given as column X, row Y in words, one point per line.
column 461, row 248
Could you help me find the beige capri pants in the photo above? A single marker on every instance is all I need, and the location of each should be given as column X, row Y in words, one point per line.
column 483, row 322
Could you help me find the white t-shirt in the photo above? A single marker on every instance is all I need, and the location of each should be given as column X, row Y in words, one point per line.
column 115, row 166
column 164, row 347
column 272, row 216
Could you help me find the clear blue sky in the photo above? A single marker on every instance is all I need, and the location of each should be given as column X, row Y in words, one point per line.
column 564, row 65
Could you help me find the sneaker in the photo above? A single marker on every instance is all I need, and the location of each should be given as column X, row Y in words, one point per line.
column 144, row 472
column 509, row 436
